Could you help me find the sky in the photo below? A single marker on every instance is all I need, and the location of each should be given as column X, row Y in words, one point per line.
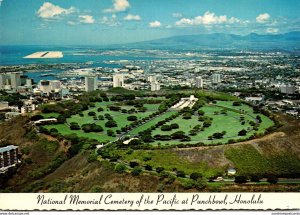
column 103, row 22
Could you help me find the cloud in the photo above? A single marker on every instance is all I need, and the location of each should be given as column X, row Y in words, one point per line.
column 177, row 15
column 272, row 30
column 51, row 11
column 154, row 24
column 131, row 17
column 110, row 21
column 87, row 19
column 118, row 6
column 262, row 18
column 208, row 18
column 1, row 2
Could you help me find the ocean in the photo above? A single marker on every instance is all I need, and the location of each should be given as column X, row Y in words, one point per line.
column 14, row 55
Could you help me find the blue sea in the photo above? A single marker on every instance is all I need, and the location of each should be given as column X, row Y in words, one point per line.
column 14, row 55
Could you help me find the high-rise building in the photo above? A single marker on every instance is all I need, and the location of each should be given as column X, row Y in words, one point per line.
column 155, row 86
column 199, row 82
column 15, row 80
column 4, row 79
column 287, row 89
column 216, row 78
column 91, row 83
column 118, row 80
column 28, row 82
column 55, row 85
column 44, row 86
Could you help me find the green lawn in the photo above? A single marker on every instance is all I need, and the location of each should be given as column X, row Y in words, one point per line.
column 230, row 123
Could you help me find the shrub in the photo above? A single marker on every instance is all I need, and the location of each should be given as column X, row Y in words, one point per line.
column 96, row 189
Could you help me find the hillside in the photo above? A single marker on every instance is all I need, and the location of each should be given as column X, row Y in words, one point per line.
column 46, row 166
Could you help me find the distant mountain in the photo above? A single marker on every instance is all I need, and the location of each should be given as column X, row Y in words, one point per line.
column 288, row 41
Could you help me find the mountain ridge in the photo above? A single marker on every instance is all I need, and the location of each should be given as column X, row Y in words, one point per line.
column 286, row 41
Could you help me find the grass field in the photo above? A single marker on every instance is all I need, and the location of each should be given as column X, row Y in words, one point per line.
column 229, row 123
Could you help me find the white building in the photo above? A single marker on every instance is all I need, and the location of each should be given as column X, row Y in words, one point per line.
column 287, row 89
column 199, row 82
column 91, row 83
column 216, row 78
column 118, row 80
column 155, row 86
column 151, row 78
column 44, row 86
column 55, row 85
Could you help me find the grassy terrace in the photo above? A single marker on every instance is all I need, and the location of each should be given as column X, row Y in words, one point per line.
column 228, row 123
column 120, row 118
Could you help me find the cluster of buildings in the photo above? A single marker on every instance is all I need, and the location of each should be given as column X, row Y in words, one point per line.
column 244, row 71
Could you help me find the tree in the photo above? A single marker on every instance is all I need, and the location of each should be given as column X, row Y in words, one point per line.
column 159, row 169
column 236, row 104
column 148, row 167
column 147, row 138
column 111, row 124
column 61, row 119
column 166, row 128
column 195, row 175
column 218, row 135
column 92, row 113
column 74, row 126
column 133, row 164
column 136, row 171
column 200, row 183
column 101, row 117
column 180, row 173
column 187, row 115
column 178, row 135
column 110, row 132
column 272, row 179
column 174, row 126
column 242, row 132
column 120, row 168
column 201, row 112
column 240, row 179
column 255, row 178
column 132, row 118
column 100, row 109
column 36, row 117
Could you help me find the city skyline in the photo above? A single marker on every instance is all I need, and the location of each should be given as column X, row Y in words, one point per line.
column 123, row 21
